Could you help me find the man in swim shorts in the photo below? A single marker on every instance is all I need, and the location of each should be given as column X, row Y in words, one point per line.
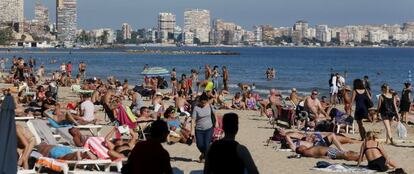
column 327, row 152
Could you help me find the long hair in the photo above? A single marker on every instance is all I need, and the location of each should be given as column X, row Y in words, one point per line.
column 358, row 84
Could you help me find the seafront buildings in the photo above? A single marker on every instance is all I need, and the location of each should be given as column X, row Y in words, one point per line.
column 196, row 26
column 41, row 14
column 197, row 29
column 226, row 33
column 126, row 31
column 322, row 33
column 66, row 22
column 12, row 14
column 166, row 26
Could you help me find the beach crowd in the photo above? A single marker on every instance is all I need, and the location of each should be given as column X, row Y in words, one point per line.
column 183, row 109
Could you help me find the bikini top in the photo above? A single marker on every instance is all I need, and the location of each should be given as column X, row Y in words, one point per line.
column 367, row 148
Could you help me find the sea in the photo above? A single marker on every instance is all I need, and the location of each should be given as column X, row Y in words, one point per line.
column 301, row 68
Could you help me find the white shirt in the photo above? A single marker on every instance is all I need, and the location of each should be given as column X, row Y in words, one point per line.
column 334, row 81
column 341, row 81
column 88, row 110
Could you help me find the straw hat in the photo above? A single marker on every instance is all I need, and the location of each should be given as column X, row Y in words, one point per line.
column 348, row 88
column 293, row 89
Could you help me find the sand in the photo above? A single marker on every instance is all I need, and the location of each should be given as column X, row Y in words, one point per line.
column 253, row 133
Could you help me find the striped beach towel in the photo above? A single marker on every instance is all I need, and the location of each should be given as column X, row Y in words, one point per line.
column 95, row 145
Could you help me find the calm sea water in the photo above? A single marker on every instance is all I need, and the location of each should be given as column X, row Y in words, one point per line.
column 302, row 68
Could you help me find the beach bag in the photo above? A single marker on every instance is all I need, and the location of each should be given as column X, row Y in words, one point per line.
column 402, row 131
column 217, row 134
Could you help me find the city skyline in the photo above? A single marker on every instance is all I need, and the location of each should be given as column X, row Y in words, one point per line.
column 144, row 14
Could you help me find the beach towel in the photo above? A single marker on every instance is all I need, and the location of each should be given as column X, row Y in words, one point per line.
column 55, row 124
column 131, row 116
column 95, row 145
column 342, row 168
column 53, row 164
column 123, row 118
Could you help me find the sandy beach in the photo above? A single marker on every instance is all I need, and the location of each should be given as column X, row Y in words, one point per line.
column 254, row 131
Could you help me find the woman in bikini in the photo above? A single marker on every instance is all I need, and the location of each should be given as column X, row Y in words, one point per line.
column 237, row 102
column 375, row 153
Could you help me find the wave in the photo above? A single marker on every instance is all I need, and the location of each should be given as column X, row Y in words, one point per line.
column 263, row 90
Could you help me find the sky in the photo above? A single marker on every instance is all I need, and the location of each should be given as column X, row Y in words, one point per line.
column 247, row 13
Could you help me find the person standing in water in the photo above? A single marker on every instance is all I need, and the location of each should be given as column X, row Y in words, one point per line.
column 225, row 78
column 173, row 82
column 207, row 72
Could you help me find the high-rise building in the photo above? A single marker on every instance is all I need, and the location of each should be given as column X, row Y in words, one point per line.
column 126, row 31
column 300, row 31
column 257, row 33
column 12, row 14
column 197, row 21
column 226, row 33
column 41, row 13
column 166, row 25
column 376, row 36
column 322, row 33
column 408, row 26
column 66, row 21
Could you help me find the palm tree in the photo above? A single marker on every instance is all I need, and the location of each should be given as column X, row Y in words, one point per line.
column 104, row 37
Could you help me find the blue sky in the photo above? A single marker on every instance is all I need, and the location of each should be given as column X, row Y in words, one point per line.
column 143, row 13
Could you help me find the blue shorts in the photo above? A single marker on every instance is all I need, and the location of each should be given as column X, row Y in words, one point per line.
column 59, row 151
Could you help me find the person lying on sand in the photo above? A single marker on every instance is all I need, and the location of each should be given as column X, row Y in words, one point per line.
column 327, row 152
column 295, row 139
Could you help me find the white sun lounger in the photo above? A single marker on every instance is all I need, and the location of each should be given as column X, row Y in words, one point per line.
column 94, row 129
column 23, row 118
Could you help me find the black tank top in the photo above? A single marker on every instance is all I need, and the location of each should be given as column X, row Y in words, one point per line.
column 387, row 106
column 223, row 158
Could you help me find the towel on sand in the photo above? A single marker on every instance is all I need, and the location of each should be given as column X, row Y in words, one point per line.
column 342, row 168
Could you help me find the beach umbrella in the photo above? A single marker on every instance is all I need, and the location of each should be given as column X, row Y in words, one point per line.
column 155, row 72
column 8, row 139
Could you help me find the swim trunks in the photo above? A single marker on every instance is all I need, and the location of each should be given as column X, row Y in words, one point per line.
column 332, row 153
column 59, row 151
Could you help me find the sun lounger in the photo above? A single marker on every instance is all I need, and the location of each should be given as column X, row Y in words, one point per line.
column 42, row 132
column 63, row 165
column 77, row 89
column 91, row 128
column 96, row 163
column 92, row 172
column 23, row 118
column 31, row 171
